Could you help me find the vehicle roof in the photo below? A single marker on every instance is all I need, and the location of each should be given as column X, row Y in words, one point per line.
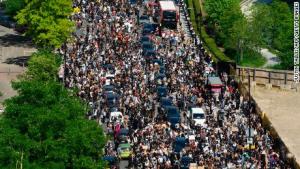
column 147, row 44
column 160, row 75
column 112, row 95
column 214, row 81
column 126, row 145
column 181, row 139
column 167, row 5
column 116, row 113
column 124, row 131
column 108, row 86
column 165, row 99
column 171, row 107
column 197, row 110
column 144, row 16
column 161, row 87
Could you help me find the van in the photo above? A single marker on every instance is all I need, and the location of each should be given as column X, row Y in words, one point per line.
column 197, row 115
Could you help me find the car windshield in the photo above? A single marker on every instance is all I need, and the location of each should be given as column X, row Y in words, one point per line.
column 148, row 26
column 145, row 38
column 125, row 149
column 169, row 14
column 144, row 17
column 198, row 116
column 148, row 46
column 150, row 53
column 173, row 112
column 166, row 102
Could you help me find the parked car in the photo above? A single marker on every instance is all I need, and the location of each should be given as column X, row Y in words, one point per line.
column 7, row 22
column 124, row 151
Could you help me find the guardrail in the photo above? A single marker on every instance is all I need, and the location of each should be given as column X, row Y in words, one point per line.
column 267, row 76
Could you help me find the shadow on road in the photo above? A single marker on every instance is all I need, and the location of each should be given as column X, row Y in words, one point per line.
column 15, row 40
column 21, row 61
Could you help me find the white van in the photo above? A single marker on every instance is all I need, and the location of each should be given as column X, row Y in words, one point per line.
column 198, row 116
column 116, row 116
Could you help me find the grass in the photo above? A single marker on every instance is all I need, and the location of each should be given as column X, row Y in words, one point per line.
column 1, row 94
column 276, row 67
column 253, row 59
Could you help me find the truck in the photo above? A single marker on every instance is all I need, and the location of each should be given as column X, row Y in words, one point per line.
column 168, row 14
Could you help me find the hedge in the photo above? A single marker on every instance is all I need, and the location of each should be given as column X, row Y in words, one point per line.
column 209, row 43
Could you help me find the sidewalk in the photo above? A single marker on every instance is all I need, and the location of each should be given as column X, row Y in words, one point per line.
column 14, row 52
column 282, row 108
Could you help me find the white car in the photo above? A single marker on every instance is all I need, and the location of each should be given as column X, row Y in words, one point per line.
column 116, row 116
column 198, row 116
column 109, row 79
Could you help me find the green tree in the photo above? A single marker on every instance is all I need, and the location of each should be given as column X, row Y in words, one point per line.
column 13, row 6
column 272, row 25
column 215, row 9
column 283, row 28
column 44, row 126
column 43, row 66
column 238, row 38
column 47, row 21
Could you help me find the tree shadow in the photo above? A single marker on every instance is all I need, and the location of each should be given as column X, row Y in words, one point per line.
column 15, row 40
column 21, row 60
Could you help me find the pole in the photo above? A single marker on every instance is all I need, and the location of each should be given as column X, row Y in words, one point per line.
column 65, row 57
column 249, row 109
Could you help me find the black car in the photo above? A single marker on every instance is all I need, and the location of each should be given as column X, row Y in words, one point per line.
column 148, row 28
column 109, row 67
column 108, row 88
column 149, row 55
column 145, row 39
column 147, row 47
column 158, row 61
column 162, row 69
column 160, row 76
column 164, row 102
column 123, row 135
column 172, row 111
column 162, row 91
column 185, row 162
column 111, row 99
column 7, row 22
column 144, row 19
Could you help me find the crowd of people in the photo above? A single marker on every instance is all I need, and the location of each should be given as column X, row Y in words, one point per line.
column 107, row 64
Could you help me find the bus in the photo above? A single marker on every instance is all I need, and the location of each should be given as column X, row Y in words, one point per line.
column 168, row 14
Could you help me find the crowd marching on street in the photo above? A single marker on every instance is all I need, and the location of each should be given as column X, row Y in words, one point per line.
column 142, row 85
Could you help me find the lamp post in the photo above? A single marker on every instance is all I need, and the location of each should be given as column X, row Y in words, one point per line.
column 249, row 110
column 65, row 57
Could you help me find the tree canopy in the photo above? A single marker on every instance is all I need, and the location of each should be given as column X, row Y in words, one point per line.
column 270, row 25
column 13, row 6
column 44, row 126
column 274, row 25
column 48, row 21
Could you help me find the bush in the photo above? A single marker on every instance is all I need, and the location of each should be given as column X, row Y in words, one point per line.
column 211, row 44
column 253, row 58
